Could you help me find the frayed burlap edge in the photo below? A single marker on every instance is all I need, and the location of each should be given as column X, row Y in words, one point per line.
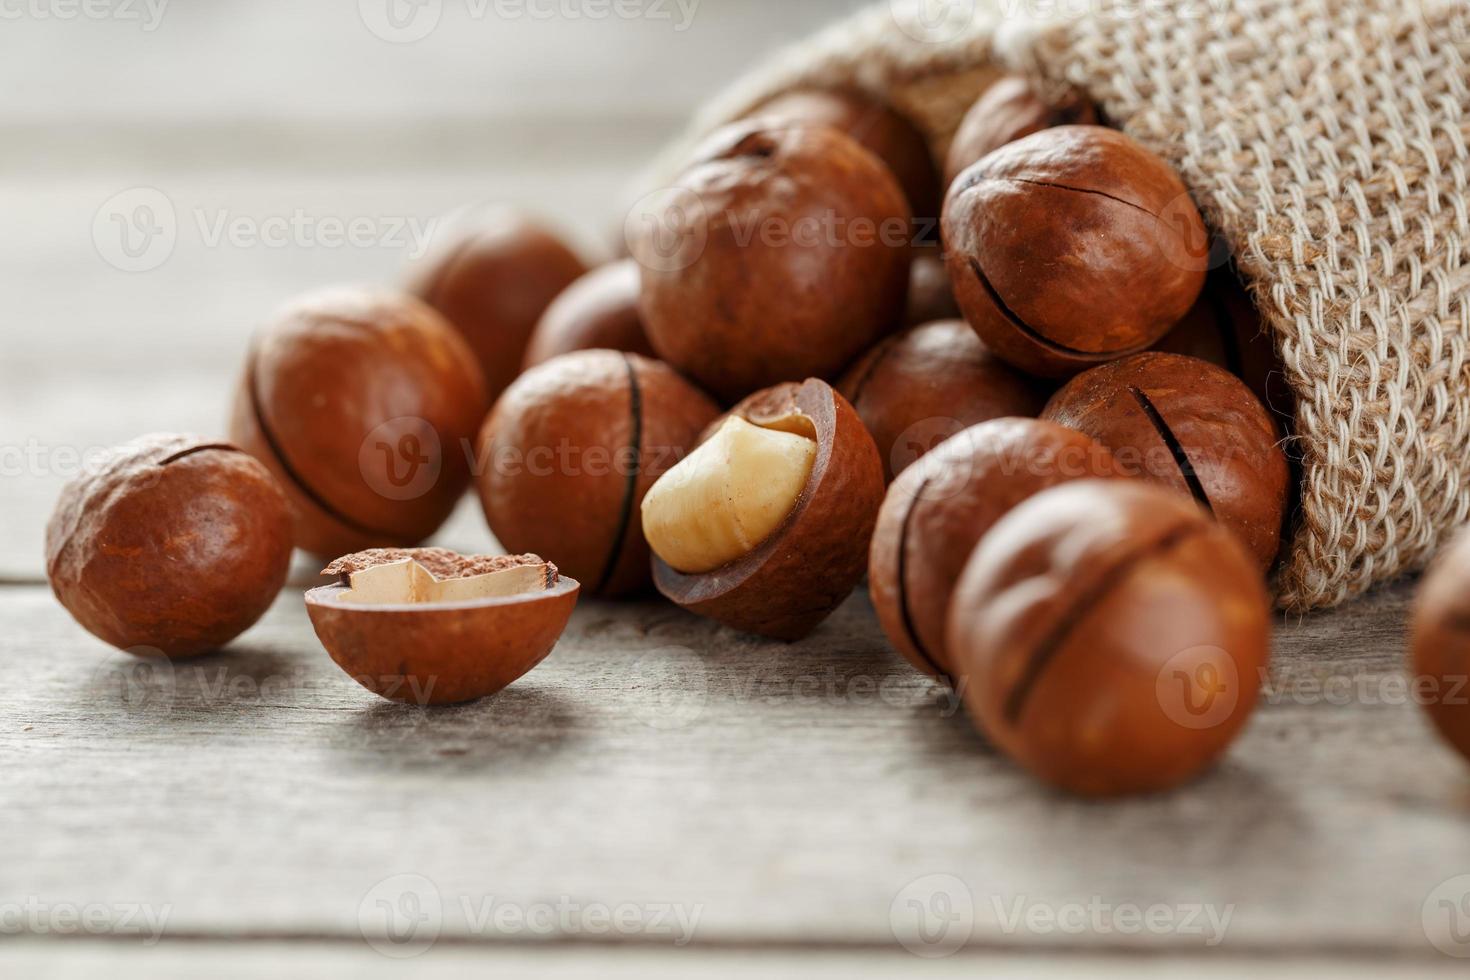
column 1326, row 141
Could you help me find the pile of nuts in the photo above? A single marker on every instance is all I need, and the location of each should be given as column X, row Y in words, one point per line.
column 1046, row 442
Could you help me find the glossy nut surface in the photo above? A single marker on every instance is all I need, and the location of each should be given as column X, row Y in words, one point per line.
column 805, row 569
column 938, row 509
column 597, row 312
column 1111, row 638
column 1440, row 650
column 880, row 129
column 918, row 388
column 174, row 543
column 1193, row 427
column 1072, row 247
column 441, row 652
column 1010, row 110
column 492, row 281
column 798, row 259
column 570, row 450
column 361, row 402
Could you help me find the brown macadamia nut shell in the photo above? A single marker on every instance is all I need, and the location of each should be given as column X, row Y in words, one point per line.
column 441, row 653
column 800, row 260
column 1110, row 637
column 1008, row 111
column 879, row 129
column 794, row 580
column 1073, row 247
column 363, row 403
column 570, row 450
column 493, row 282
column 1193, row 427
column 1440, row 648
column 937, row 510
column 923, row 386
column 174, row 545
column 597, row 312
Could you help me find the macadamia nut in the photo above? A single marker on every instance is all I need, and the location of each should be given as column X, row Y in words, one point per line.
column 727, row 496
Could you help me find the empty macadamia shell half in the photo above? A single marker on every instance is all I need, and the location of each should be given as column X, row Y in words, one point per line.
column 806, row 568
column 428, row 626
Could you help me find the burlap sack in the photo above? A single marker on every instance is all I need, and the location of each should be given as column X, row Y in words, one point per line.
column 1326, row 142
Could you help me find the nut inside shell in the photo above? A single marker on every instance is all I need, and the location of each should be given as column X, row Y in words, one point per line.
column 812, row 561
column 428, row 626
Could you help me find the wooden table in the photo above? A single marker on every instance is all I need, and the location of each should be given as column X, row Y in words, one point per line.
column 662, row 797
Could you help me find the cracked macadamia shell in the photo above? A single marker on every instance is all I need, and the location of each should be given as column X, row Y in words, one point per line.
column 1192, row 427
column 918, row 388
column 1440, row 651
column 1008, row 111
column 1110, row 637
column 937, row 510
column 427, row 650
column 794, row 258
column 174, row 543
column 492, row 281
column 363, row 403
column 878, row 128
column 1073, row 247
column 597, row 312
column 568, row 453
column 805, row 569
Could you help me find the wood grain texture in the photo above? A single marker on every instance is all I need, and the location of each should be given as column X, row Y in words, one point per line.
column 227, row 961
column 783, row 795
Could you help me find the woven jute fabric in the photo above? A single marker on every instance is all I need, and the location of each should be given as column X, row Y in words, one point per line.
column 1326, row 142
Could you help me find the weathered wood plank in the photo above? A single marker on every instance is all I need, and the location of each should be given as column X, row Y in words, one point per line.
column 781, row 794
column 226, row 961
